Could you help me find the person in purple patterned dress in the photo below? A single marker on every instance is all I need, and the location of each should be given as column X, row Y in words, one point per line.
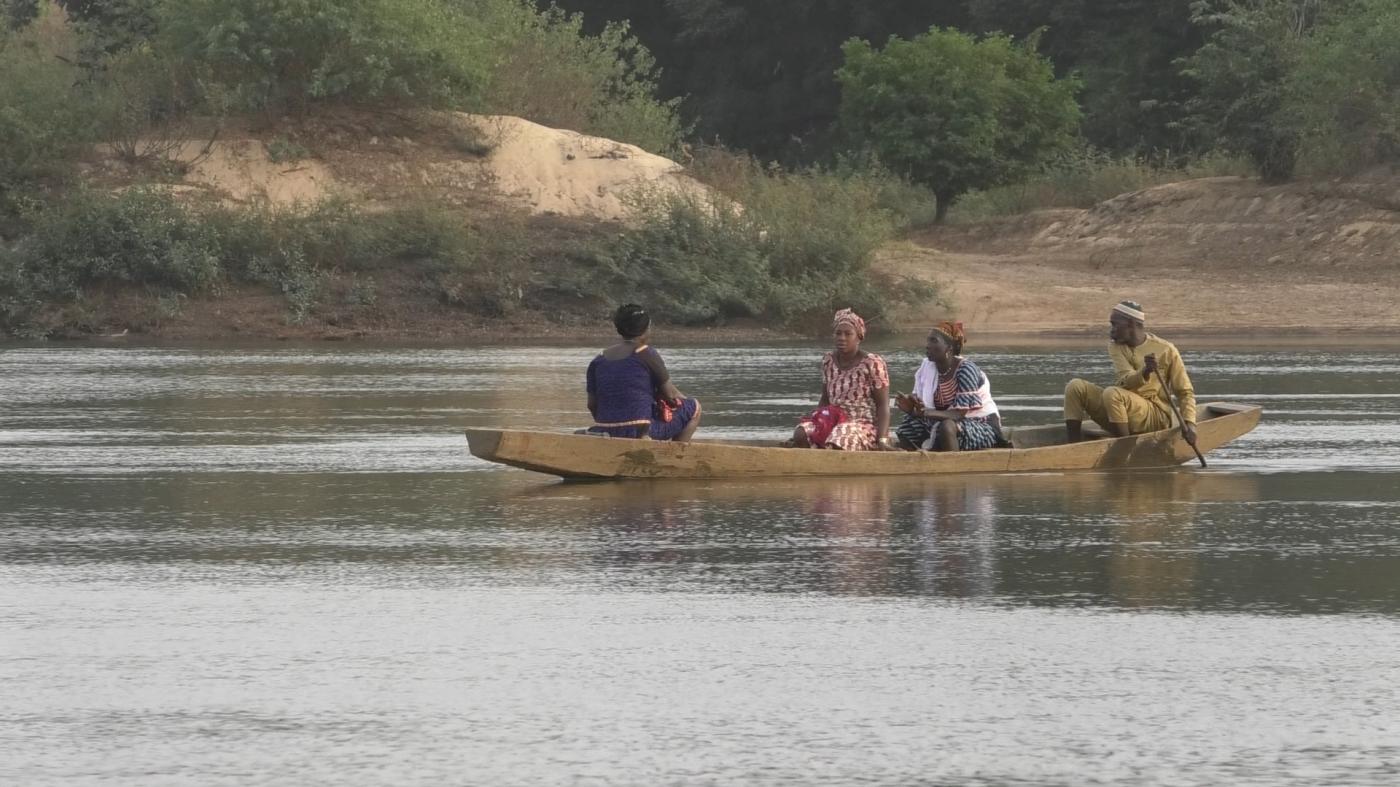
column 630, row 393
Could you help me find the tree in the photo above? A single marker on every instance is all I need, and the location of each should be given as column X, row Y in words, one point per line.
column 758, row 74
column 953, row 112
column 548, row 69
column 18, row 13
column 1123, row 51
column 287, row 55
column 1345, row 90
column 1241, row 103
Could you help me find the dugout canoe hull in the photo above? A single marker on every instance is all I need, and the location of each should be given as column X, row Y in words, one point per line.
column 1038, row 449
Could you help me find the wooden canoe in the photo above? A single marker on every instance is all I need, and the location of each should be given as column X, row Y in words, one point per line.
column 1037, row 449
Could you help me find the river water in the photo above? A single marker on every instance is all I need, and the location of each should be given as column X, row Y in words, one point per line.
column 279, row 565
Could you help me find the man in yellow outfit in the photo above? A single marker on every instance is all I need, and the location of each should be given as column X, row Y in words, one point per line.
column 1136, row 403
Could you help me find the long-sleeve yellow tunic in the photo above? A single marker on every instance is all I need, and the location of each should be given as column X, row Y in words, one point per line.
column 1127, row 369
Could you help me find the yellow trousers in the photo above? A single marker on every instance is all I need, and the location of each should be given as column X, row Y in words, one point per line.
column 1112, row 405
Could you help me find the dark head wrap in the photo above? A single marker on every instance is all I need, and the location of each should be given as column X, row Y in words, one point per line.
column 631, row 320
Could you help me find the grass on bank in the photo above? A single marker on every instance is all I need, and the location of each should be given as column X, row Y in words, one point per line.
column 784, row 248
column 1085, row 179
column 147, row 241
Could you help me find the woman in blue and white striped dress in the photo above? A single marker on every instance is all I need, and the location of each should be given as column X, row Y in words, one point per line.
column 951, row 408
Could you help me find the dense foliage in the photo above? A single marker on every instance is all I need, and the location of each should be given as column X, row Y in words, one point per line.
column 870, row 108
column 1345, row 89
column 785, row 247
column 955, row 113
column 759, row 75
column 546, row 68
column 44, row 120
column 281, row 54
column 1242, row 69
column 147, row 240
column 1163, row 81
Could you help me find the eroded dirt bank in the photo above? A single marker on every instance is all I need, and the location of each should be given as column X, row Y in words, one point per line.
column 1214, row 257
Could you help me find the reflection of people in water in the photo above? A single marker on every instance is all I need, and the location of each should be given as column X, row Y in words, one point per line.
column 956, row 526
column 1153, row 558
column 1052, row 538
column 855, row 516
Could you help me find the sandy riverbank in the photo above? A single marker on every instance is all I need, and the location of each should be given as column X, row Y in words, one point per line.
column 1216, row 260
column 1217, row 257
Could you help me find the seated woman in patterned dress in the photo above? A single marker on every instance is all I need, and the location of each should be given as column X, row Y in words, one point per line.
column 854, row 413
column 630, row 392
column 951, row 408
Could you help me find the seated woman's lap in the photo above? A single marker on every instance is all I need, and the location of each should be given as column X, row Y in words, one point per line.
column 973, row 433
column 680, row 418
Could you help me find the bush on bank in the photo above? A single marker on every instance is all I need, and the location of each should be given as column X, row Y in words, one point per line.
column 782, row 247
column 114, row 72
column 44, row 119
column 145, row 240
column 1085, row 177
column 547, row 69
column 286, row 56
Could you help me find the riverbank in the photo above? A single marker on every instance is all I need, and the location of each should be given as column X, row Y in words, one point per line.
column 505, row 246
column 1216, row 257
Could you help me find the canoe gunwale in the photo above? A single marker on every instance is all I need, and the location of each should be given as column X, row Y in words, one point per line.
column 576, row 456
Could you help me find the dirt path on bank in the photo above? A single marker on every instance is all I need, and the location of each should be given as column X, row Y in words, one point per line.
column 1218, row 256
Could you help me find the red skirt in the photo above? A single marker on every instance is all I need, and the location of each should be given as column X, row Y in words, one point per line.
column 820, row 422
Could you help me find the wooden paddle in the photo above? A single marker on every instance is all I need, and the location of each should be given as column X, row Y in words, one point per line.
column 1172, row 401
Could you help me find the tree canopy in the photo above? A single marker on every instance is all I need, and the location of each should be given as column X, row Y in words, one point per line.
column 953, row 112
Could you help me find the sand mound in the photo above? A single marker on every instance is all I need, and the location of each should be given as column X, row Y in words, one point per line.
column 507, row 162
column 525, row 166
column 571, row 174
column 242, row 170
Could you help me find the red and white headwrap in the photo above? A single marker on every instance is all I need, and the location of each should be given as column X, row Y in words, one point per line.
column 1131, row 309
column 848, row 317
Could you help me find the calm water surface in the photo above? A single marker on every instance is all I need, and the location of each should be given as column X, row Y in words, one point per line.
column 239, row 566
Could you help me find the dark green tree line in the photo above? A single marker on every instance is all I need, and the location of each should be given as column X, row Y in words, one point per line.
column 759, row 74
column 953, row 112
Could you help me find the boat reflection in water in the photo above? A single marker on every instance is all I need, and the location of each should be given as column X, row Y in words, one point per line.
column 1125, row 539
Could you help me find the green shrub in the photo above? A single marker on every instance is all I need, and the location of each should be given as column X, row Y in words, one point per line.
column 295, row 248
column 785, row 246
column 144, row 107
column 146, row 238
column 139, row 237
column 1240, row 104
column 1345, row 90
column 468, row 137
column 1085, row 177
column 281, row 150
column 953, row 112
column 45, row 111
column 489, row 272
column 279, row 55
column 547, row 70
column 15, row 14
column 696, row 262
column 111, row 27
